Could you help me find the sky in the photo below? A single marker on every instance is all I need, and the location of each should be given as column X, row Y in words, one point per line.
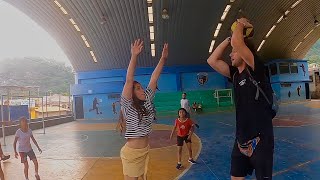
column 20, row 36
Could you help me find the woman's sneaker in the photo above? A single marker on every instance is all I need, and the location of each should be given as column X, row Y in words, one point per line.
column 178, row 166
column 192, row 161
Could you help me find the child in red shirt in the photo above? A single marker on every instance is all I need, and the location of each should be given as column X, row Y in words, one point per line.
column 185, row 128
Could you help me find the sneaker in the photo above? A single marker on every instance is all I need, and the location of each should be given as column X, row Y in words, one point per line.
column 192, row 161
column 178, row 166
column 5, row 157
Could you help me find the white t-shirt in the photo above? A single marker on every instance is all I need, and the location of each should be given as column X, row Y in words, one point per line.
column 185, row 104
column 24, row 140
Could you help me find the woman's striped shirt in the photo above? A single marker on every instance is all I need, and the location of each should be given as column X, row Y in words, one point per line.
column 136, row 128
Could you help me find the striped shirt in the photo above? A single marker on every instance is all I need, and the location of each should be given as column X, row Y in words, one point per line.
column 136, row 128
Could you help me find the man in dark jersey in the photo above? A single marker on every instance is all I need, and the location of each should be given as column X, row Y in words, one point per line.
column 254, row 144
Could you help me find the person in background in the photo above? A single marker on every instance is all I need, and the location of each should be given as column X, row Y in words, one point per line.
column 23, row 136
column 185, row 128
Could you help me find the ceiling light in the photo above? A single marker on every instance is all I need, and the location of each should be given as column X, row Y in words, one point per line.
column 219, row 25
column 151, row 28
column 91, row 52
column 76, row 27
column 270, row 31
column 280, row 19
column 295, row 4
column 308, row 34
column 225, row 12
column 63, row 10
column 83, row 38
column 211, row 46
column 152, row 36
column 287, row 12
column 261, row 44
column 150, row 18
column 94, row 59
column 57, row 3
column 72, row 21
column 217, row 30
column 150, row 11
column 87, row 44
column 297, row 46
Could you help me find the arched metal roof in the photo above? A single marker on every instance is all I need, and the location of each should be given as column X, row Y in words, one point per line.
column 109, row 26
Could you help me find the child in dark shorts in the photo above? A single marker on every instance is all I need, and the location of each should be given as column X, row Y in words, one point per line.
column 23, row 136
column 185, row 128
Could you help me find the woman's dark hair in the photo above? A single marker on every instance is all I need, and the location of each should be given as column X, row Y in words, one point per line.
column 183, row 109
column 139, row 104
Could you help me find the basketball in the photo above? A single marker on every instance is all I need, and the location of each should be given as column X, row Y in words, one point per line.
column 247, row 32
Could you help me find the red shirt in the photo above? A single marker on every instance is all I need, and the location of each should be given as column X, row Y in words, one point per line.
column 183, row 127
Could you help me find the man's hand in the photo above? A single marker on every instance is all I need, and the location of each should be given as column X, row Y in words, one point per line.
column 245, row 22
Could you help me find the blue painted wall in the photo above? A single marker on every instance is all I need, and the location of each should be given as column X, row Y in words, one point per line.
column 285, row 85
column 102, row 84
column 104, row 108
column 96, row 88
column 101, row 80
column 302, row 75
column 289, row 91
column 190, row 82
column 107, row 85
column 166, row 82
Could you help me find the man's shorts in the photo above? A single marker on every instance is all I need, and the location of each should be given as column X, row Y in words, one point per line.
column 24, row 156
column 261, row 160
column 181, row 139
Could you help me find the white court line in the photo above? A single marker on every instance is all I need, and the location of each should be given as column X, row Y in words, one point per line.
column 226, row 124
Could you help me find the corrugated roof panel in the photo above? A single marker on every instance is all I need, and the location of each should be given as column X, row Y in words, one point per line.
column 189, row 29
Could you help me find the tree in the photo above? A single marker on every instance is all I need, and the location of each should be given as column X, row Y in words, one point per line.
column 31, row 71
column 313, row 56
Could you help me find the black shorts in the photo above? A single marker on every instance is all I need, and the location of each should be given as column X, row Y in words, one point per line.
column 181, row 139
column 261, row 160
column 24, row 156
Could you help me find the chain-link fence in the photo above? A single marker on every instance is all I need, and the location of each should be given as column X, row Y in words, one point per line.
column 26, row 101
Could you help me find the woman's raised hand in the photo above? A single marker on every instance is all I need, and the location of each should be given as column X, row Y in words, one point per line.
column 136, row 47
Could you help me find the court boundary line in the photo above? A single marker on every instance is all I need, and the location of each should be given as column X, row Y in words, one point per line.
column 196, row 157
column 297, row 166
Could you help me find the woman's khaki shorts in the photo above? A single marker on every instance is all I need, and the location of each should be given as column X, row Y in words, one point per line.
column 134, row 161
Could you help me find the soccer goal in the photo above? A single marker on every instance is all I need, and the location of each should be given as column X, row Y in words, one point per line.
column 220, row 94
